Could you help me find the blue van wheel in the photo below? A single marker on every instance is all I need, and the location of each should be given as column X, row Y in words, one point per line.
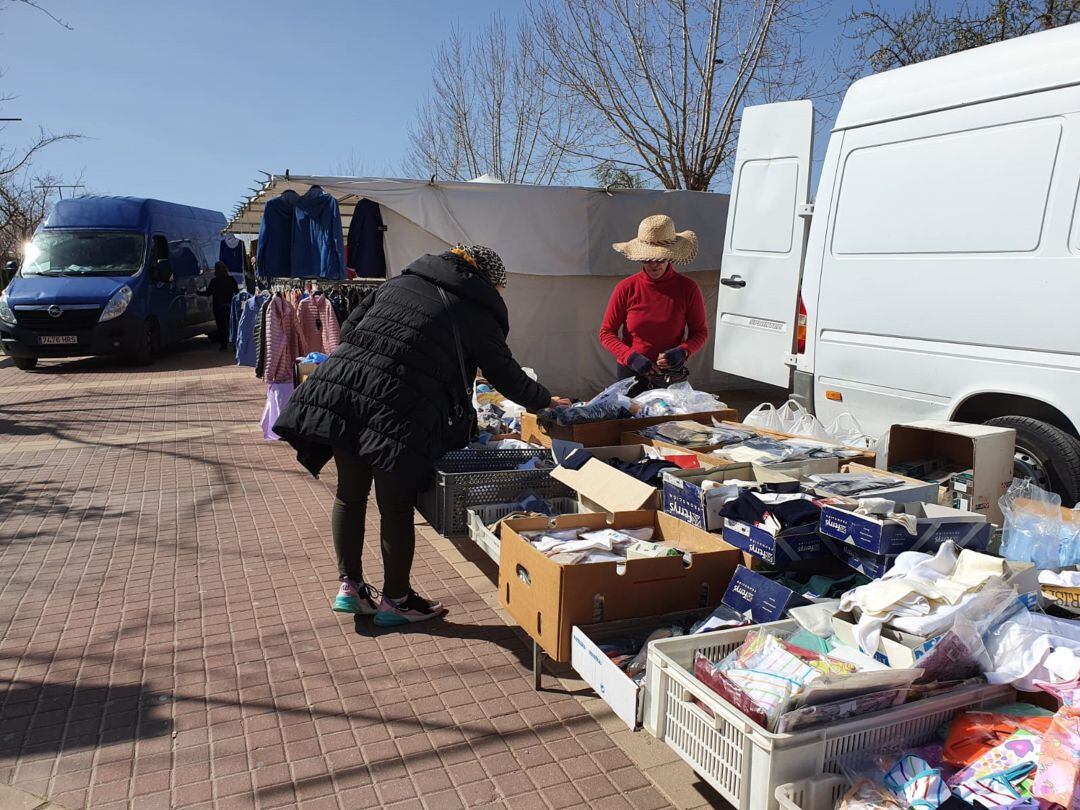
column 148, row 346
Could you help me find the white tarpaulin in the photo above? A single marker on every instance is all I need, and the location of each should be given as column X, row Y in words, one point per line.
column 540, row 232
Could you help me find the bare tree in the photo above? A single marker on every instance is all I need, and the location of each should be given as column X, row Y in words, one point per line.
column 886, row 39
column 664, row 81
column 492, row 110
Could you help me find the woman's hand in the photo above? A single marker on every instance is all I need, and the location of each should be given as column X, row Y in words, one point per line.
column 559, row 402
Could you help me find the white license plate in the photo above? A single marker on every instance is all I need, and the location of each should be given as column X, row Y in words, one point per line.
column 58, row 340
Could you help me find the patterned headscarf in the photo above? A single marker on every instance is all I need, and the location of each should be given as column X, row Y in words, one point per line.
column 485, row 260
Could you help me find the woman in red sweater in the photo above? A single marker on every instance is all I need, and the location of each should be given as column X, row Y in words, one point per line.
column 655, row 319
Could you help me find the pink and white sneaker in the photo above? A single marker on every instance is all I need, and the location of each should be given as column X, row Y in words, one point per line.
column 356, row 597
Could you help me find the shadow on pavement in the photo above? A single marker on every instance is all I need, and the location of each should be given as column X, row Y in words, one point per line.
column 44, row 718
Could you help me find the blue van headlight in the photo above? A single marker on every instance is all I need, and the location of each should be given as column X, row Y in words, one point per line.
column 117, row 304
column 6, row 315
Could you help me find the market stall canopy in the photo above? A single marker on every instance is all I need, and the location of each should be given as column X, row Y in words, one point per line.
column 538, row 230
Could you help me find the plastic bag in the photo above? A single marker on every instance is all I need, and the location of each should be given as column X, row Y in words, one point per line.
column 764, row 416
column 678, row 399
column 1058, row 778
column 806, row 424
column 788, row 415
column 1037, row 529
column 846, row 429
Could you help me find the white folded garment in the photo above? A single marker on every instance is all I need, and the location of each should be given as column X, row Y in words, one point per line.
column 1064, row 579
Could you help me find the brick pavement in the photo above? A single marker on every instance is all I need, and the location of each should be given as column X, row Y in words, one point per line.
column 165, row 637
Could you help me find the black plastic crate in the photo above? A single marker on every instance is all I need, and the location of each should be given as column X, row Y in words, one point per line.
column 470, row 478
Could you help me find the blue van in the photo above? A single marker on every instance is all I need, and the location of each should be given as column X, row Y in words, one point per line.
column 112, row 275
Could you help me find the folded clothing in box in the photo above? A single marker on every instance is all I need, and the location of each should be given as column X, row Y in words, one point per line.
column 777, row 528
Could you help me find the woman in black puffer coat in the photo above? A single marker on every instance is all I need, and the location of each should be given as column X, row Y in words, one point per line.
column 384, row 404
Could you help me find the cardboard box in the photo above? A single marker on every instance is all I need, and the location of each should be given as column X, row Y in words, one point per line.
column 611, row 684
column 608, row 433
column 602, row 488
column 901, row 650
column 910, row 491
column 986, row 451
column 787, row 546
column 766, row 599
column 685, row 498
column 547, row 599
column 301, row 371
column 934, row 525
column 871, row 565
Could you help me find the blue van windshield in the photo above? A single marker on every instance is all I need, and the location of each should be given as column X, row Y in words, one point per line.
column 84, row 253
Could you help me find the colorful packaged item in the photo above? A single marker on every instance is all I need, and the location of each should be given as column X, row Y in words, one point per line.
column 1058, row 779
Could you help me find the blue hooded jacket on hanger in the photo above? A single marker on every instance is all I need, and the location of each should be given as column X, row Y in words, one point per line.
column 318, row 247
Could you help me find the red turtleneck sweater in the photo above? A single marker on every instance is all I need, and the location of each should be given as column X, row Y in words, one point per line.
column 654, row 316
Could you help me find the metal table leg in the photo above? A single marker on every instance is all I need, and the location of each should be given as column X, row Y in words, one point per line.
column 538, row 666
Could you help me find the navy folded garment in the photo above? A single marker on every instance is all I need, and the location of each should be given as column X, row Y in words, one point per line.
column 647, row 471
column 576, row 459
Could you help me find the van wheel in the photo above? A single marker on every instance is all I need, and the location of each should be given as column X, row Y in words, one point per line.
column 1046, row 454
column 25, row 363
column 148, row 347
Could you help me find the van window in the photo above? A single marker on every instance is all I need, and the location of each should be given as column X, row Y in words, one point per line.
column 159, row 249
column 765, row 227
column 1075, row 242
column 980, row 191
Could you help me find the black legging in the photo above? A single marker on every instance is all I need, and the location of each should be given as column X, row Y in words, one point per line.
column 396, row 503
column 221, row 318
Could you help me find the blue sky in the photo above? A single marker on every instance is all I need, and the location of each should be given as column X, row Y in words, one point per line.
column 188, row 101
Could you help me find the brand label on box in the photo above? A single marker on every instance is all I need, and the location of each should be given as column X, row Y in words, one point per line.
column 767, row 601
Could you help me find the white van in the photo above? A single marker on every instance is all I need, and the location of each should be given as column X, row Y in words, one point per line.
column 937, row 272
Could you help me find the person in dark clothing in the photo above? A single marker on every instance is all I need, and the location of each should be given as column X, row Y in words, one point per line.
column 220, row 291
column 392, row 399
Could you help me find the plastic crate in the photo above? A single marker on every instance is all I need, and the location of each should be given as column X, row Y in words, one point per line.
column 468, row 477
column 818, row 793
column 744, row 762
column 480, row 517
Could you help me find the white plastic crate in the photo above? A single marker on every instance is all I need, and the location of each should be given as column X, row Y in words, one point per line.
column 744, row 762
column 818, row 793
column 481, row 516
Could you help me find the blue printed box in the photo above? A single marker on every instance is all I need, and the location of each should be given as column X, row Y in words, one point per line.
column 866, row 563
column 767, row 601
column 686, row 498
column 933, row 526
column 789, row 545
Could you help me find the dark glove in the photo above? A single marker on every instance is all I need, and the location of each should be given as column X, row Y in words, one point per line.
column 639, row 364
column 676, row 357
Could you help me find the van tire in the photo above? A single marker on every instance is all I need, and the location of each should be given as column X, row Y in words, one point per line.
column 148, row 346
column 1056, row 452
column 25, row 363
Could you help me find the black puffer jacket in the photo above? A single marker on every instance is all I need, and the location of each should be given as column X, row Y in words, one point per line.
column 386, row 393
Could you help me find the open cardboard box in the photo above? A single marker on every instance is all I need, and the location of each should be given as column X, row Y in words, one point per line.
column 934, row 525
column 547, row 599
column 633, row 436
column 607, row 433
column 987, row 451
column 901, row 650
column 795, row 469
column 911, row 490
column 602, row 488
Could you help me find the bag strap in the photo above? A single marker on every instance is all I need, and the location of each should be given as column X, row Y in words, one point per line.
column 457, row 342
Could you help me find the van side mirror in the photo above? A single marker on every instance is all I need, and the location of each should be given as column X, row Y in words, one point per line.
column 8, row 273
column 163, row 271
column 12, row 267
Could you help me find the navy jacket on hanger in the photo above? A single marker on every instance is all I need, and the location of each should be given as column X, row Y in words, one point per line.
column 274, row 257
column 318, row 247
column 366, row 254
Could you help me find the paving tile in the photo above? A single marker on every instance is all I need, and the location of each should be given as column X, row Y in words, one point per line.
column 195, row 662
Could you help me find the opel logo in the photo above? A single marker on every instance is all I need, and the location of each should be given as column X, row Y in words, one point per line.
column 55, row 311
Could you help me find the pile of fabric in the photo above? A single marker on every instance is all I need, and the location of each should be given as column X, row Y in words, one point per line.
column 695, row 434
column 614, row 403
column 580, row 545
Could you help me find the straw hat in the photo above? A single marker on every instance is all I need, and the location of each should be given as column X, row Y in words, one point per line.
column 657, row 241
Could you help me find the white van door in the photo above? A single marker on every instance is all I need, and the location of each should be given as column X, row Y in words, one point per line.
column 765, row 242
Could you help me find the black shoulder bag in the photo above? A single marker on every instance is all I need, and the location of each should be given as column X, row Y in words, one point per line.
column 462, row 421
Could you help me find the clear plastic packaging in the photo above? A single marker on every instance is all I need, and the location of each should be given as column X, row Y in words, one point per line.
column 679, row 398
column 1037, row 528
